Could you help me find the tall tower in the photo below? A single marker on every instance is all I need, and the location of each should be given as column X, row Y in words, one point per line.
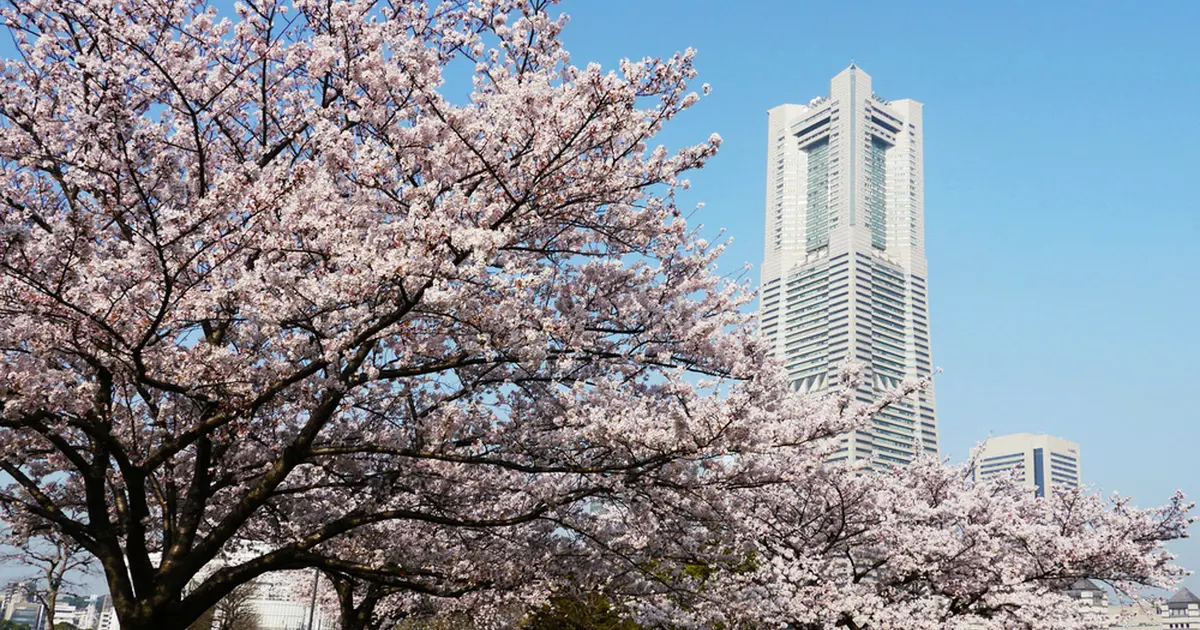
column 844, row 273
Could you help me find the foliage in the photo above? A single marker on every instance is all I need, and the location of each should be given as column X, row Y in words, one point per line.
column 456, row 621
column 590, row 611
column 262, row 280
column 924, row 547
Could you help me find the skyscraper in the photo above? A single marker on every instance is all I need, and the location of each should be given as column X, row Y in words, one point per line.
column 844, row 274
column 1036, row 461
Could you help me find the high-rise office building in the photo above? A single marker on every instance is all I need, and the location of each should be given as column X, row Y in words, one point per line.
column 844, row 273
column 1035, row 461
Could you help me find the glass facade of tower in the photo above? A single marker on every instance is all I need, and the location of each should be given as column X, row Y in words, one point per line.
column 817, row 225
column 877, row 192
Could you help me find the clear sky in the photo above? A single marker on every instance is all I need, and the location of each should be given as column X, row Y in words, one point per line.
column 1062, row 212
column 1061, row 200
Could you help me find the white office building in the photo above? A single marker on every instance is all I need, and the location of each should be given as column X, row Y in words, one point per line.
column 1035, row 461
column 844, row 276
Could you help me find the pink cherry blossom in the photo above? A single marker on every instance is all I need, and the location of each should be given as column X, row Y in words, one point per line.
column 271, row 299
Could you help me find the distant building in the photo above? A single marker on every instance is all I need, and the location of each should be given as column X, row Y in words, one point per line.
column 1089, row 594
column 1035, row 461
column 1093, row 600
column 93, row 612
column 31, row 614
column 282, row 601
column 7, row 599
column 1182, row 611
column 20, row 607
column 1134, row 617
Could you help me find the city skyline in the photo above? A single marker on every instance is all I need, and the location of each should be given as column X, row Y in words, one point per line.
column 843, row 277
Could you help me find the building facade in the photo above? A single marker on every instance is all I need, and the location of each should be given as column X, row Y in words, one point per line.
column 844, row 275
column 284, row 601
column 21, row 607
column 1035, row 461
column 1181, row 611
column 94, row 612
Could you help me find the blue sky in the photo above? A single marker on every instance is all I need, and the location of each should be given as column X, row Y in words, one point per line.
column 1062, row 211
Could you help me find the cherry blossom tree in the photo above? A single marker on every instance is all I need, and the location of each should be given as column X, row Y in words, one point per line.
column 926, row 548
column 271, row 299
column 262, row 280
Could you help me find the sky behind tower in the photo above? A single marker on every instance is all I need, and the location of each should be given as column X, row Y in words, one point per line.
column 1062, row 213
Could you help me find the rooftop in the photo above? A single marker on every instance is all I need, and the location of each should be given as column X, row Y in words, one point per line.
column 1183, row 597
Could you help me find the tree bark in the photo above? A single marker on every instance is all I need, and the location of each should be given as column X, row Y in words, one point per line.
column 51, row 606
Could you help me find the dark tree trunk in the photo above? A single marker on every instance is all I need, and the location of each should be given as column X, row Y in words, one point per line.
column 358, row 615
column 355, row 620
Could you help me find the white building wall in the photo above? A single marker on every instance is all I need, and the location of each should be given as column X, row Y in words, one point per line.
column 282, row 601
column 108, row 619
column 1180, row 617
column 1035, row 461
column 843, row 277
